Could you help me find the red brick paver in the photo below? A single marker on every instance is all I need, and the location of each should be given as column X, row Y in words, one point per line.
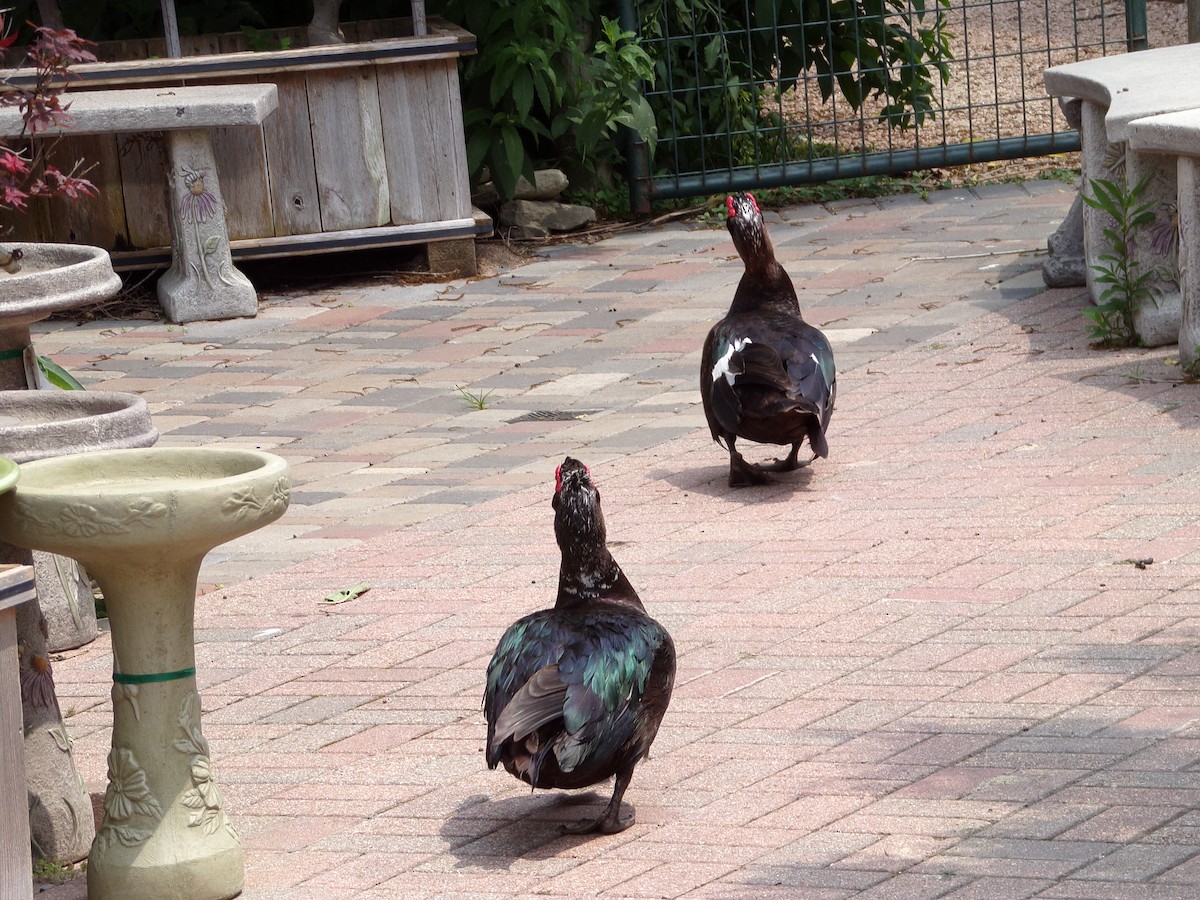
column 924, row 667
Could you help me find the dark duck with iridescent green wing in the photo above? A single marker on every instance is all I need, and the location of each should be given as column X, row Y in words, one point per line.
column 766, row 375
column 575, row 694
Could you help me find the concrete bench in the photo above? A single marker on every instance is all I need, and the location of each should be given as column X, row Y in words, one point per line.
column 1115, row 91
column 202, row 282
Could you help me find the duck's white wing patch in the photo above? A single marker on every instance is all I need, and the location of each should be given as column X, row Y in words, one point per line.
column 721, row 366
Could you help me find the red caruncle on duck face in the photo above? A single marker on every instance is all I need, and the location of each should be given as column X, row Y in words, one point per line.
column 558, row 477
column 742, row 203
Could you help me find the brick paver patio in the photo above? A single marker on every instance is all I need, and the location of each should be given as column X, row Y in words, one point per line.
column 925, row 667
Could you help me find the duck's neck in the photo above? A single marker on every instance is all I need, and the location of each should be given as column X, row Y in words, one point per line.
column 590, row 573
column 765, row 285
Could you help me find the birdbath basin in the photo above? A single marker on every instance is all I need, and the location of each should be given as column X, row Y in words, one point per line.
column 141, row 522
column 53, row 277
column 37, row 424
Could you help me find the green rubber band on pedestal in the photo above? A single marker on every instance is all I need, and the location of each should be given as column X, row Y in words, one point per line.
column 151, row 678
column 11, row 354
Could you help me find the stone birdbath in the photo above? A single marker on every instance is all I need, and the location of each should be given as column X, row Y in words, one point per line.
column 37, row 424
column 50, row 278
column 141, row 522
column 34, row 425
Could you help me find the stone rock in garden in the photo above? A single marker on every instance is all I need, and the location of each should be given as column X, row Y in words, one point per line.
column 526, row 232
column 546, row 214
column 548, row 184
column 65, row 595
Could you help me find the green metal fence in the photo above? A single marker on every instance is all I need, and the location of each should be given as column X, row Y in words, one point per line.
column 991, row 106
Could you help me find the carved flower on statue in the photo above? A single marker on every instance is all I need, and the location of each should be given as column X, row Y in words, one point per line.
column 1164, row 235
column 37, row 683
column 81, row 520
column 128, row 795
column 197, row 204
column 203, row 798
column 245, row 502
column 128, row 792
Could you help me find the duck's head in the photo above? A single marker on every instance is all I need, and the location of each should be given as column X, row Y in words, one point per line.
column 746, row 227
column 577, row 515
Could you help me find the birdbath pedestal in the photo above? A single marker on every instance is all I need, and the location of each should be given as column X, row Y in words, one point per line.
column 141, row 522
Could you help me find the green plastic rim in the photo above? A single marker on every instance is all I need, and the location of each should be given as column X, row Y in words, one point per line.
column 9, row 473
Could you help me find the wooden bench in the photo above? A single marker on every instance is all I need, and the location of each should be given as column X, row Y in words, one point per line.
column 1115, row 91
column 16, row 864
column 202, row 282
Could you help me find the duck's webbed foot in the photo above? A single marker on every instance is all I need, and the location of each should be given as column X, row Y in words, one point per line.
column 791, row 463
column 610, row 821
column 742, row 473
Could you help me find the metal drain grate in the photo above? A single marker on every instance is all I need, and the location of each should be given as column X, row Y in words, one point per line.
column 555, row 415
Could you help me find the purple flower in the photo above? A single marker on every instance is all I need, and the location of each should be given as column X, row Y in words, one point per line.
column 197, row 204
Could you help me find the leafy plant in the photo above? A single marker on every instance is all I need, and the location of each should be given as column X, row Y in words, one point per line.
column 611, row 93
column 513, row 97
column 1127, row 284
column 262, row 42
column 25, row 168
column 532, row 88
column 55, row 872
column 725, row 58
column 474, row 400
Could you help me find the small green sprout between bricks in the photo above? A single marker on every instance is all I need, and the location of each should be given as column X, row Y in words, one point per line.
column 474, row 400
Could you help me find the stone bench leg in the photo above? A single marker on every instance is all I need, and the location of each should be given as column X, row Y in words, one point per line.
column 1096, row 161
column 1157, row 318
column 202, row 282
column 1065, row 266
column 1188, row 195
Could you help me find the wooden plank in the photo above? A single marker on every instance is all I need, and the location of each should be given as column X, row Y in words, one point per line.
column 200, row 44
column 348, row 149
column 356, row 239
column 99, row 220
column 424, row 146
column 295, row 205
column 241, row 158
column 15, row 861
column 144, row 183
column 443, row 41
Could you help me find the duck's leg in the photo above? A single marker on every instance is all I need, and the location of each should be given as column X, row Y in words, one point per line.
column 610, row 821
column 742, row 473
column 792, row 461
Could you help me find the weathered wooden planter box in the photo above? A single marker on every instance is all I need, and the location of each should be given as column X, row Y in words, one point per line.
column 365, row 150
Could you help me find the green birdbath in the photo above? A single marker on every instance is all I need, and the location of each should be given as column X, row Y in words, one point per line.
column 141, row 522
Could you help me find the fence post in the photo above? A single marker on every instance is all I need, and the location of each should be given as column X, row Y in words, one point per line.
column 1135, row 24
column 637, row 156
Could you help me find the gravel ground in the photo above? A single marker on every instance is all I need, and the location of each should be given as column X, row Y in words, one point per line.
column 1001, row 48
